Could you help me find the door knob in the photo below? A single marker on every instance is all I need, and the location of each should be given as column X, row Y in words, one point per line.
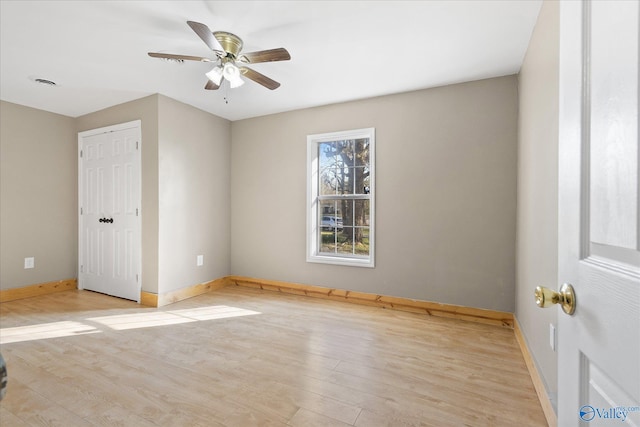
column 566, row 297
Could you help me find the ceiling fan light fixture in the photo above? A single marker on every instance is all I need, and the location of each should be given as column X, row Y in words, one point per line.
column 232, row 74
column 230, row 71
column 236, row 82
column 215, row 75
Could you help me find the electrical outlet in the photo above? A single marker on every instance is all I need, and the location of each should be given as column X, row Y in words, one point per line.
column 29, row 262
column 199, row 260
column 552, row 336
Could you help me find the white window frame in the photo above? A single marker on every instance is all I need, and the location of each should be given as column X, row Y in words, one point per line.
column 313, row 247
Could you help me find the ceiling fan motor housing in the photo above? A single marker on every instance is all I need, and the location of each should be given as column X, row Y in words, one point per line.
column 231, row 43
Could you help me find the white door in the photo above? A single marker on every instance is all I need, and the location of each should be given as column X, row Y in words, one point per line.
column 599, row 233
column 109, row 197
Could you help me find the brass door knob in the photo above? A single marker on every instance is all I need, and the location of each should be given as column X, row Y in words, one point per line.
column 545, row 297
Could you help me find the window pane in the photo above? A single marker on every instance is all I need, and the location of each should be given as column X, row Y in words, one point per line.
column 353, row 212
column 345, row 153
column 328, row 181
column 329, row 215
column 327, row 161
column 330, row 226
column 361, row 164
column 361, row 213
column 352, row 241
column 361, row 180
column 361, row 147
column 326, row 154
column 345, row 180
column 349, row 241
column 328, row 242
column 344, row 167
column 352, row 181
column 352, row 237
column 362, row 241
column 345, row 246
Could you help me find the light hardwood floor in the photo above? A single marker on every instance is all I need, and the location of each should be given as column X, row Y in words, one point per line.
column 246, row 357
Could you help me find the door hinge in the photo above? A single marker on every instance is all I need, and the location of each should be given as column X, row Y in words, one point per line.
column 137, row 144
column 82, row 269
column 80, row 153
column 136, row 211
column 136, row 278
column 80, row 211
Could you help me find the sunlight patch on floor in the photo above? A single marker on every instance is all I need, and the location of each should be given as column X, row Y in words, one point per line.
column 120, row 322
column 214, row 312
column 44, row 331
column 123, row 322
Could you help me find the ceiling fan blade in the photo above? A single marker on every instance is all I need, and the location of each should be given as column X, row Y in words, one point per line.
column 279, row 54
column 259, row 78
column 179, row 57
column 207, row 37
column 211, row 85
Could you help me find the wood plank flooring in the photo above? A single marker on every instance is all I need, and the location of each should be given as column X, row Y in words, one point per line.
column 247, row 357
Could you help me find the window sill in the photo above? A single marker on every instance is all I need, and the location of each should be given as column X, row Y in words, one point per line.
column 345, row 261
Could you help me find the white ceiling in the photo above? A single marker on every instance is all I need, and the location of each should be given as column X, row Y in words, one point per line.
column 96, row 51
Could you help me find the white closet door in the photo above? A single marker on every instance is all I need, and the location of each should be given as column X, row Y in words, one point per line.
column 110, row 232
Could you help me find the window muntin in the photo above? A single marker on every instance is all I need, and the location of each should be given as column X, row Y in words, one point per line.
column 340, row 198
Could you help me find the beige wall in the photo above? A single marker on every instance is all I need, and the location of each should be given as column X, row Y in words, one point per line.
column 185, row 192
column 38, row 196
column 146, row 110
column 445, row 195
column 194, row 152
column 446, row 183
column 537, row 241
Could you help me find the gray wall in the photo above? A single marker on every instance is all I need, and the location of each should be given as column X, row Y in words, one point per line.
column 445, row 196
column 38, row 196
column 185, row 190
column 145, row 109
column 446, row 193
column 194, row 151
column 537, row 238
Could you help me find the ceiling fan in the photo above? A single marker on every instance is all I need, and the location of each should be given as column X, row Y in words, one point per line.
column 228, row 50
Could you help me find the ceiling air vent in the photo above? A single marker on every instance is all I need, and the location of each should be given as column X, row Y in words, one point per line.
column 45, row 82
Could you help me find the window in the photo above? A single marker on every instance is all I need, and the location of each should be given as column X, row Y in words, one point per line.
column 340, row 198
